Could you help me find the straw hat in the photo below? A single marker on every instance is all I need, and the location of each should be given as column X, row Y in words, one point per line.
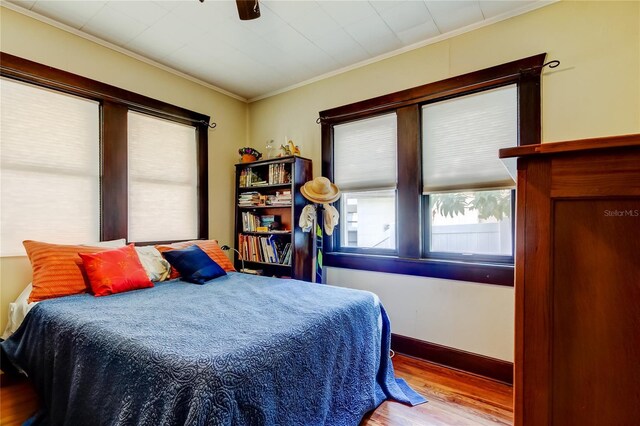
column 320, row 191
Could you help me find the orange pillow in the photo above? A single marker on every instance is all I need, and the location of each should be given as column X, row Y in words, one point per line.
column 115, row 271
column 57, row 269
column 210, row 247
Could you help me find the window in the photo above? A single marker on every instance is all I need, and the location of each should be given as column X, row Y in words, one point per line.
column 449, row 212
column 83, row 161
column 460, row 140
column 162, row 178
column 50, row 167
column 368, row 202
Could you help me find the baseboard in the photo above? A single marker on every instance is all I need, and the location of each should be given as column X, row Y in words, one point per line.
column 491, row 368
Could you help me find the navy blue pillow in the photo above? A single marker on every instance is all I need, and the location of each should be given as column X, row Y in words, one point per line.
column 194, row 264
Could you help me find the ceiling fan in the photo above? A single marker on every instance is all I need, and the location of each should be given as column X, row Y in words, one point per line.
column 247, row 9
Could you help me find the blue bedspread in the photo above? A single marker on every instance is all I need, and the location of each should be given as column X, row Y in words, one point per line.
column 239, row 350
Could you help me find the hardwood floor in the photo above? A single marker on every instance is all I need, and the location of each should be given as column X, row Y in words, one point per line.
column 455, row 398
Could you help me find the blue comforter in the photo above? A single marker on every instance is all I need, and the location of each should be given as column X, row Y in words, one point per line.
column 239, row 350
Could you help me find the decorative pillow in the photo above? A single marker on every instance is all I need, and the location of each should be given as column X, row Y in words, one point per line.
column 210, row 247
column 57, row 269
column 194, row 264
column 214, row 251
column 115, row 271
column 156, row 266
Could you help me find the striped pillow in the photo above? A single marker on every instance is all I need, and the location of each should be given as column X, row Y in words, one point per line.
column 57, row 269
column 210, row 247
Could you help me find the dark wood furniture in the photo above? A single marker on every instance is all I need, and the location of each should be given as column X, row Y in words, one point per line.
column 299, row 171
column 578, row 282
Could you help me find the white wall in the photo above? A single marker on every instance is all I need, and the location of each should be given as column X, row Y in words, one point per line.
column 595, row 92
column 458, row 314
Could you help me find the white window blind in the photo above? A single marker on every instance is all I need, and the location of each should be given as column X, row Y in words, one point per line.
column 163, row 179
column 365, row 154
column 49, row 167
column 461, row 138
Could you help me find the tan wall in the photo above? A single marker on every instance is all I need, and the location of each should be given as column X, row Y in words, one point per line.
column 31, row 39
column 595, row 92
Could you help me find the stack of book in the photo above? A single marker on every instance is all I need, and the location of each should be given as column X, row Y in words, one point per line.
column 249, row 199
column 278, row 174
column 250, row 222
column 255, row 223
column 264, row 249
column 282, row 198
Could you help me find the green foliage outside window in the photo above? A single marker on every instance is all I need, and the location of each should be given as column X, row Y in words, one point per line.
column 489, row 204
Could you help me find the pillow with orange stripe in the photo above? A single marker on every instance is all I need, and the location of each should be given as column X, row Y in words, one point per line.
column 210, row 247
column 57, row 269
column 115, row 271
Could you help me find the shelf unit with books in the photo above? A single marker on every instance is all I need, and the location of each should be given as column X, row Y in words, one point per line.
column 268, row 205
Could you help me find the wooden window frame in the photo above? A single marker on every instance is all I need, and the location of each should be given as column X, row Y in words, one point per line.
column 115, row 103
column 410, row 258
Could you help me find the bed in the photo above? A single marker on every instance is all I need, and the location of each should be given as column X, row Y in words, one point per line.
column 239, row 350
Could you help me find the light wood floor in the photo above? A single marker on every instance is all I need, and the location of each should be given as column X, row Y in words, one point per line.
column 455, row 398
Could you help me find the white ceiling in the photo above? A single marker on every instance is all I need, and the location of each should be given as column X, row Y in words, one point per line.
column 292, row 42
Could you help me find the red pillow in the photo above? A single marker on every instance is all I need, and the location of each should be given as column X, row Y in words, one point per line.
column 115, row 271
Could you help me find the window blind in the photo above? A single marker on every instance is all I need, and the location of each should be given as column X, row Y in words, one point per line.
column 365, row 154
column 49, row 167
column 163, row 179
column 461, row 138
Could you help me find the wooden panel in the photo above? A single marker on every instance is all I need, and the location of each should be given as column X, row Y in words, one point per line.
column 578, row 283
column 590, row 175
column 534, row 319
column 114, row 187
column 596, row 289
column 520, row 256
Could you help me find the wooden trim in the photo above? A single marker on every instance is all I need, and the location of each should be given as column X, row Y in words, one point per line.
column 114, row 182
column 326, row 170
column 529, row 107
column 409, row 181
column 53, row 78
column 607, row 142
column 486, row 273
column 481, row 365
column 413, row 257
column 500, row 75
column 202, row 137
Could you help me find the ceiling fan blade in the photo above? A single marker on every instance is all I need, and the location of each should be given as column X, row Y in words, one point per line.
column 248, row 9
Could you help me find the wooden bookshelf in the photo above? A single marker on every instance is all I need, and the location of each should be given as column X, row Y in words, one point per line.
column 258, row 184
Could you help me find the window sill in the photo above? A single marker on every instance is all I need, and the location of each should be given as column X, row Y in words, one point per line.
column 486, row 273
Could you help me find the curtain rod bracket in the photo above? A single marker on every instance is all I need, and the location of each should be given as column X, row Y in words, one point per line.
column 211, row 126
column 532, row 70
